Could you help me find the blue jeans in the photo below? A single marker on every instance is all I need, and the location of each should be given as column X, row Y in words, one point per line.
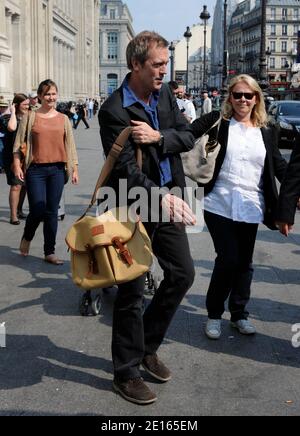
column 45, row 184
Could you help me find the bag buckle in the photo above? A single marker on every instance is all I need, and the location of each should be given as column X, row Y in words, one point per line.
column 124, row 253
column 93, row 266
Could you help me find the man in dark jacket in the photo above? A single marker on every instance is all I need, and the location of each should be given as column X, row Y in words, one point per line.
column 289, row 192
column 159, row 128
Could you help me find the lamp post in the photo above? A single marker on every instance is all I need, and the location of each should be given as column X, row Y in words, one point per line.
column 225, row 53
column 187, row 34
column 268, row 54
column 263, row 82
column 220, row 72
column 287, row 66
column 172, row 50
column 205, row 16
column 241, row 68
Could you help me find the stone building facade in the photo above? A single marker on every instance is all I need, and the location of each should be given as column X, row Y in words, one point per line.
column 282, row 27
column 57, row 39
column 116, row 32
column 217, row 39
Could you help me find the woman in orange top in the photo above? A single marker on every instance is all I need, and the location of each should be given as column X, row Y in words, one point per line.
column 50, row 153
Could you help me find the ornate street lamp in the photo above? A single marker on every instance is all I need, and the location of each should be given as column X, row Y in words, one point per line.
column 187, row 34
column 263, row 82
column 172, row 50
column 205, row 16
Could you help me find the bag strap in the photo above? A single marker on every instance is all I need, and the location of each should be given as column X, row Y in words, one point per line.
column 217, row 123
column 110, row 162
column 27, row 126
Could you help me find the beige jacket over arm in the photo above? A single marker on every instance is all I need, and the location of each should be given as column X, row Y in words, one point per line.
column 72, row 158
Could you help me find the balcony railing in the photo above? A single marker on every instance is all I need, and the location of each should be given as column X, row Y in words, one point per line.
column 282, row 19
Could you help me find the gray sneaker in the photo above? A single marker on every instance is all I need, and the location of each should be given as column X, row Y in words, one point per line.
column 244, row 326
column 213, row 328
column 135, row 390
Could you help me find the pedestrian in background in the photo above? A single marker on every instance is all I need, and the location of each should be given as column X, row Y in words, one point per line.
column 34, row 101
column 3, row 110
column 82, row 113
column 241, row 195
column 9, row 125
column 51, row 152
column 190, row 111
column 90, row 107
column 206, row 104
column 96, row 107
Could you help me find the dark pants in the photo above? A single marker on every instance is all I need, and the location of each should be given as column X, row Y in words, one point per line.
column 135, row 335
column 45, row 184
column 83, row 119
column 233, row 272
column 1, row 154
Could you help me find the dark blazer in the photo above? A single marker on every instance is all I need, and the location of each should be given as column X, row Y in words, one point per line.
column 290, row 188
column 275, row 164
column 178, row 137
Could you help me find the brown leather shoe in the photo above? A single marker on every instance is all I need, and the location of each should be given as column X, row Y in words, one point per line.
column 156, row 368
column 135, row 390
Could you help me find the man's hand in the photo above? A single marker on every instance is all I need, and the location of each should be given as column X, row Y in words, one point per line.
column 178, row 210
column 142, row 133
column 284, row 228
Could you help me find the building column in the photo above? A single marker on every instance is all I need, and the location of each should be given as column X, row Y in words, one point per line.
column 3, row 39
column 55, row 60
column 5, row 53
column 16, row 53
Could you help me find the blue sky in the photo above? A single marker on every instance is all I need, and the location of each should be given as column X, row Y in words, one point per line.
column 167, row 17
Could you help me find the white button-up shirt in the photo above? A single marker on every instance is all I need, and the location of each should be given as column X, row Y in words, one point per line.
column 238, row 191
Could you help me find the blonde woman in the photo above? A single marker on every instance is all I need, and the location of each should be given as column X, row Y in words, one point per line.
column 241, row 195
column 50, row 149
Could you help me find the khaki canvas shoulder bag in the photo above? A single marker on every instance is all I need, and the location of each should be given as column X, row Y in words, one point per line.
column 105, row 251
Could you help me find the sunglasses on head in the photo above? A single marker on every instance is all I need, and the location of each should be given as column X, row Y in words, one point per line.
column 239, row 95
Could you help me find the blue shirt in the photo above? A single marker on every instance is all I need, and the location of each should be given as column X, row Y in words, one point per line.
column 151, row 110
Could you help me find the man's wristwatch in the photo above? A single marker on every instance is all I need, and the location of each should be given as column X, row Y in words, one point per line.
column 161, row 141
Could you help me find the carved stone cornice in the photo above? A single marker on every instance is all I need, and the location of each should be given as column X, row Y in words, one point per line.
column 64, row 20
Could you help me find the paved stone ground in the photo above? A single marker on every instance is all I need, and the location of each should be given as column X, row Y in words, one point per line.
column 58, row 363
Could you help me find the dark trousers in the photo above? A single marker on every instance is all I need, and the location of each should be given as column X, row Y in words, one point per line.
column 83, row 119
column 233, row 272
column 135, row 335
column 45, row 184
column 1, row 153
